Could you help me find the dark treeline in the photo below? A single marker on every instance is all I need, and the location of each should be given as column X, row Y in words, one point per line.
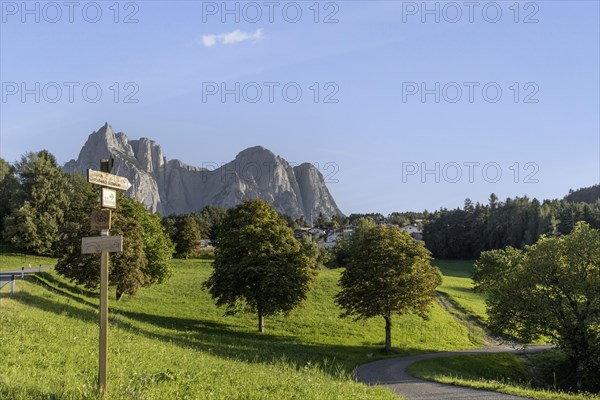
column 584, row 195
column 465, row 233
column 395, row 218
column 186, row 230
column 45, row 211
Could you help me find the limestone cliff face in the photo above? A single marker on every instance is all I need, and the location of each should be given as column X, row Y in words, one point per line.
column 316, row 198
column 173, row 187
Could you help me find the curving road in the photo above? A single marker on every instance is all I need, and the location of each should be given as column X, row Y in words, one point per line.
column 392, row 373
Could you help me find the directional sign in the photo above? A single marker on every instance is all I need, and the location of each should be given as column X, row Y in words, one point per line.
column 108, row 180
column 109, row 198
column 100, row 220
column 98, row 244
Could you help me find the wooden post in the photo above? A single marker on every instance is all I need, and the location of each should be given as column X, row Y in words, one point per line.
column 102, row 359
column 104, row 244
column 12, row 285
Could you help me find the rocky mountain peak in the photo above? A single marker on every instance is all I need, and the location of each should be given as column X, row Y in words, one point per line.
column 254, row 150
column 256, row 153
column 173, row 187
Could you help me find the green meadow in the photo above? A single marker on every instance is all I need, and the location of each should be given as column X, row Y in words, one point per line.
column 171, row 341
column 458, row 286
column 11, row 259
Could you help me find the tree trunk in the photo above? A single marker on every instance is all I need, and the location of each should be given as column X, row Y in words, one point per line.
column 119, row 294
column 581, row 360
column 388, row 334
column 261, row 323
column 580, row 343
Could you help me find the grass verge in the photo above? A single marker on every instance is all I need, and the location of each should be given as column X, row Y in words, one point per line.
column 11, row 259
column 500, row 372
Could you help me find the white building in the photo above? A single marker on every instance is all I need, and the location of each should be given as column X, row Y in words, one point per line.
column 413, row 230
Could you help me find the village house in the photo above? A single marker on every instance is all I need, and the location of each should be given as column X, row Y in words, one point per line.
column 413, row 230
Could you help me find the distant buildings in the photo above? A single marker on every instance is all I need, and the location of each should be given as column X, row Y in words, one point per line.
column 206, row 244
column 328, row 238
column 334, row 235
column 413, row 230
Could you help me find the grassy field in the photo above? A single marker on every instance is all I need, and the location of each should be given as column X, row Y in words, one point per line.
column 503, row 372
column 170, row 341
column 457, row 284
column 10, row 259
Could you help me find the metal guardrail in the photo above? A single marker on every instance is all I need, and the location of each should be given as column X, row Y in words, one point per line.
column 7, row 276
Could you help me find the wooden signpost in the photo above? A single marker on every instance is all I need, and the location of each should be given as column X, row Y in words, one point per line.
column 103, row 245
column 108, row 180
column 100, row 244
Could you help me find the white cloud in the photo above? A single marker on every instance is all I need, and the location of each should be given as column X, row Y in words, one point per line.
column 231, row 37
column 209, row 40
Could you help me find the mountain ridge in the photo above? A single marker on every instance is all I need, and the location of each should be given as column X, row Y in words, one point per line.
column 175, row 187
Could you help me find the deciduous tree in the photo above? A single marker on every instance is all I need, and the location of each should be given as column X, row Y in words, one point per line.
column 214, row 216
column 187, row 239
column 147, row 249
column 259, row 265
column 550, row 289
column 388, row 273
column 157, row 246
column 9, row 188
column 33, row 224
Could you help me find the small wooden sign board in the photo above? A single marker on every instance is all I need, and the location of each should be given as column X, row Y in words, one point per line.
column 98, row 244
column 101, row 220
column 108, row 180
column 109, row 198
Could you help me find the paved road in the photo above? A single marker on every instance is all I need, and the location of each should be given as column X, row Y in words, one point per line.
column 6, row 276
column 392, row 373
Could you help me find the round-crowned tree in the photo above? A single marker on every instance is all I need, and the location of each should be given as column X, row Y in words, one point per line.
column 37, row 204
column 259, row 265
column 147, row 249
column 388, row 273
column 187, row 238
column 551, row 289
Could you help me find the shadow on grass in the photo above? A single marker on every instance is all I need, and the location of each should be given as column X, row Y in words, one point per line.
column 461, row 289
column 49, row 282
column 216, row 339
column 64, row 287
column 32, row 393
column 465, row 316
column 455, row 268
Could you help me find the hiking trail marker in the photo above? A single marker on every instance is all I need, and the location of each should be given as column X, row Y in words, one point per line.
column 104, row 244
column 109, row 198
column 108, row 180
column 97, row 245
column 100, row 220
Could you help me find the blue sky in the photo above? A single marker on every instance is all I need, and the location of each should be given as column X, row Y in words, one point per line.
column 374, row 142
